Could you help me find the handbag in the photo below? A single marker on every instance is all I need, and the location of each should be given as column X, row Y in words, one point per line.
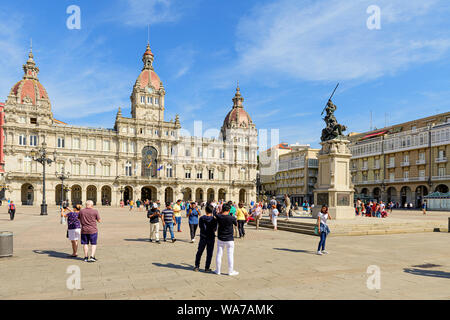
column 63, row 220
column 316, row 230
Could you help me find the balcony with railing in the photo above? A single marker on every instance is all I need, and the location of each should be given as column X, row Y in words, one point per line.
column 420, row 161
column 441, row 177
column 405, row 163
column 441, row 160
column 390, row 165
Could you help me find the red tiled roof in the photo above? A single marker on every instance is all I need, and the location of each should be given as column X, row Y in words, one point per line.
column 149, row 78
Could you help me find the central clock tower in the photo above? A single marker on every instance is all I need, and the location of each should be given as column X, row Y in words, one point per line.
column 147, row 98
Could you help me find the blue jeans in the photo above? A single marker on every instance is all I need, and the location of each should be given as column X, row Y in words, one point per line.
column 168, row 225
column 178, row 220
column 323, row 238
column 324, row 230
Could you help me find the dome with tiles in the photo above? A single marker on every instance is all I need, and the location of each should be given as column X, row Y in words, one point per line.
column 29, row 90
column 238, row 117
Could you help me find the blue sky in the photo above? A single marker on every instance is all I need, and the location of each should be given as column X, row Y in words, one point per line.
column 287, row 55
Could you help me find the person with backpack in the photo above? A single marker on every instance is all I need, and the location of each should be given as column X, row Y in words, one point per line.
column 11, row 210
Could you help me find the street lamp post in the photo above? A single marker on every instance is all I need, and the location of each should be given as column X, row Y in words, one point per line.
column 62, row 176
column 41, row 156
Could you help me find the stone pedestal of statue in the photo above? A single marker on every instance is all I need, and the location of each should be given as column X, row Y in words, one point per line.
column 334, row 187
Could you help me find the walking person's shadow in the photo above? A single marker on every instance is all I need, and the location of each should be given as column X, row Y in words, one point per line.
column 56, row 254
column 183, row 266
column 294, row 250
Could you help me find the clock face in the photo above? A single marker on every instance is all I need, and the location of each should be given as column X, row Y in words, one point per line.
column 149, row 90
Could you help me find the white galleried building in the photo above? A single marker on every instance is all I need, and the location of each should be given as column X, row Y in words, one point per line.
column 143, row 157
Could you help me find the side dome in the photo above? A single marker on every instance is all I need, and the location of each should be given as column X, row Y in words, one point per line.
column 29, row 90
column 238, row 117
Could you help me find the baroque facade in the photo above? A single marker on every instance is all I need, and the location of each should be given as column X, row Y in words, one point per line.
column 142, row 157
column 402, row 163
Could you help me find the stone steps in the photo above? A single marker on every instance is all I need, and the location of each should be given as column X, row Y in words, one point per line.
column 355, row 229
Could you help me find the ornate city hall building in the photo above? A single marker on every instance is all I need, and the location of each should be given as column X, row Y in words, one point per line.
column 142, row 157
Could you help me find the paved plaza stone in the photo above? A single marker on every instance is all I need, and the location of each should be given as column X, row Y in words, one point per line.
column 271, row 264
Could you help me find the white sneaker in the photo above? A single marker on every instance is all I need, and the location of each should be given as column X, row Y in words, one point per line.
column 217, row 272
column 324, row 252
column 319, row 253
column 193, row 240
column 234, row 273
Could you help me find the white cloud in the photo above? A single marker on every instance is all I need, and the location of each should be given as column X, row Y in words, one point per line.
column 329, row 40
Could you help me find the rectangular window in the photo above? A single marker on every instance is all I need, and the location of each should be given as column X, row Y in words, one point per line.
column 91, row 144
column 60, row 142
column 157, row 101
column 106, row 170
column 422, row 156
column 169, row 171
column 188, row 153
column 422, row 173
column 91, row 169
column 124, row 147
column 75, row 143
column 33, row 141
column 27, row 164
column 128, row 169
column 142, row 99
column 391, row 161
column 199, row 175
column 22, row 140
column 106, row 145
column 441, row 171
column 187, row 174
column 199, row 152
column 75, row 168
column 222, row 175
column 33, row 120
column 133, row 147
column 211, row 174
column 222, row 154
column 392, row 176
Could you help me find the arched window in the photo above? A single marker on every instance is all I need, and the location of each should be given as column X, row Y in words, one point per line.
column 149, row 162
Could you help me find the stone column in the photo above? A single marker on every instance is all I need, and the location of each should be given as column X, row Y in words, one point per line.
column 334, row 187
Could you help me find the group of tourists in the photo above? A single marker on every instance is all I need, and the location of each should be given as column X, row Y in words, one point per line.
column 226, row 219
column 221, row 217
column 373, row 209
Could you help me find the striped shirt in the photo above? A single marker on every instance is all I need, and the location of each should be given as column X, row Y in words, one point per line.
column 167, row 215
